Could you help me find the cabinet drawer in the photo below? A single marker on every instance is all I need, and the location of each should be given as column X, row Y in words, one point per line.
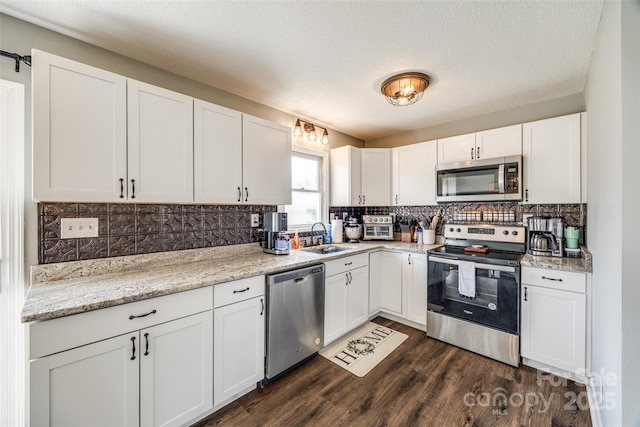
column 52, row 336
column 341, row 265
column 238, row 290
column 554, row 279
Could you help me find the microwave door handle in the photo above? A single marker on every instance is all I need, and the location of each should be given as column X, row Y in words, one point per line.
column 501, row 178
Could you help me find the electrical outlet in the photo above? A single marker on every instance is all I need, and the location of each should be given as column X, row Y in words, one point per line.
column 255, row 220
column 74, row 228
column 344, row 215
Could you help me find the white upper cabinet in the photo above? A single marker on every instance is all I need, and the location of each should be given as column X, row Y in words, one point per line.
column 360, row 177
column 551, row 160
column 346, row 176
column 376, row 176
column 413, row 174
column 266, row 162
column 457, row 148
column 217, row 145
column 79, row 131
column 501, row 142
column 160, row 146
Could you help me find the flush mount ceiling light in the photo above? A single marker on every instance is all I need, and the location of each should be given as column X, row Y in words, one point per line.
column 310, row 130
column 405, row 88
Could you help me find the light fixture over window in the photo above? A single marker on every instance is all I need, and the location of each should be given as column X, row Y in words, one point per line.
column 405, row 88
column 310, row 131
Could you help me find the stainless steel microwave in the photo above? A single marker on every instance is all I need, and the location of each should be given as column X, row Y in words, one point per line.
column 494, row 179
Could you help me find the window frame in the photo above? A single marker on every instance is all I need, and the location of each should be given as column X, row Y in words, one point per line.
column 323, row 187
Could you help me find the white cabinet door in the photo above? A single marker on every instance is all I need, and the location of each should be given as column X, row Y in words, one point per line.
column 501, row 142
column 217, row 157
column 92, row 385
column 239, row 342
column 375, row 285
column 414, row 278
column 336, row 321
column 266, row 167
column 551, row 160
column 459, row 148
column 376, row 176
column 553, row 327
column 160, row 144
column 176, row 370
column 358, row 297
column 391, row 282
column 414, row 174
column 79, row 131
column 346, row 176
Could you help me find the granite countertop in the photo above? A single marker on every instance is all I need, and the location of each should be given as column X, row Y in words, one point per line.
column 68, row 288
column 578, row 265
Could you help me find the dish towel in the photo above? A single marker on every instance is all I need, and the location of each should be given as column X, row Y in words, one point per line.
column 467, row 279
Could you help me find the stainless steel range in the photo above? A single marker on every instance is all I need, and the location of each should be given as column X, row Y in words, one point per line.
column 474, row 289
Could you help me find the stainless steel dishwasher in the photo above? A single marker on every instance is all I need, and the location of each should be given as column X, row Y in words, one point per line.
column 295, row 318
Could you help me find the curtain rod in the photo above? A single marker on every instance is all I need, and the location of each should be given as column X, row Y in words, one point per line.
column 26, row 59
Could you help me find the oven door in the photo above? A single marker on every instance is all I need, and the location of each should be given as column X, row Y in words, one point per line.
column 378, row 232
column 497, row 300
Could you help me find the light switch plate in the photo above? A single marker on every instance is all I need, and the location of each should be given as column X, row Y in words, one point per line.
column 255, row 220
column 74, row 228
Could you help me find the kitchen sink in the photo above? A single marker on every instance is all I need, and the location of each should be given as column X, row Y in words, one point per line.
column 325, row 249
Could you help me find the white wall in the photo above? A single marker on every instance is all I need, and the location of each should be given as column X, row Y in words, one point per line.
column 630, row 209
column 612, row 101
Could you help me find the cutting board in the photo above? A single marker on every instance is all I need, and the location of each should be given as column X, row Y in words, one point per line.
column 482, row 250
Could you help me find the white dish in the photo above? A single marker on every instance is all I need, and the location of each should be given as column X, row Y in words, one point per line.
column 477, row 246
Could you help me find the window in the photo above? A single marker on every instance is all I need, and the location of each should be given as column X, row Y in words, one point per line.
column 308, row 189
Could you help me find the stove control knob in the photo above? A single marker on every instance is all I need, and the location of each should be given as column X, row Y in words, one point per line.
column 505, row 232
column 514, row 232
column 451, row 229
column 458, row 230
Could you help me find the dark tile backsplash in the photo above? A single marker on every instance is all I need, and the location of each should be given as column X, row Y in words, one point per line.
column 128, row 229
column 573, row 214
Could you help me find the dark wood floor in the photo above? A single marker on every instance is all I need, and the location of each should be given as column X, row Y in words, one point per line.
column 422, row 383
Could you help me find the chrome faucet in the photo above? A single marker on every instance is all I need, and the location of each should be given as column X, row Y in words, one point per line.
column 324, row 233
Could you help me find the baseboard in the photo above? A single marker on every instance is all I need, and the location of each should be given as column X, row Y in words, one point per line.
column 399, row 319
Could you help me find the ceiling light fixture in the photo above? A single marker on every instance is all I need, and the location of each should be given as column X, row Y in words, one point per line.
column 405, row 88
column 310, row 130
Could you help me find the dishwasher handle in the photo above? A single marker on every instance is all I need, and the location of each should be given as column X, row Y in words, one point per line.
column 296, row 276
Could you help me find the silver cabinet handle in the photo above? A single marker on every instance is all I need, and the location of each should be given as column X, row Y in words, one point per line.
column 359, row 199
column 241, row 290
column 133, row 188
column 262, row 309
column 477, row 152
column 409, row 258
column 239, row 194
column 246, row 194
column 471, row 153
column 525, row 294
column 364, row 201
column 526, row 195
column 396, row 199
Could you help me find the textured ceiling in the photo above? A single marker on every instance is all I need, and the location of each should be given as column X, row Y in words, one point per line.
column 325, row 60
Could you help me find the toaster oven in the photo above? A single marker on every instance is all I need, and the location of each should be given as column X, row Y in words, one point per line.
column 377, row 227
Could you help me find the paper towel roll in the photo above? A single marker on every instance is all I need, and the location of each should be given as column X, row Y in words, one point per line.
column 336, row 230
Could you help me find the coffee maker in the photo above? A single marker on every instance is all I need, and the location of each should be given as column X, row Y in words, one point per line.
column 544, row 236
column 274, row 224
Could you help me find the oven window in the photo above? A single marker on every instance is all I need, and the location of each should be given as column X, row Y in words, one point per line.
column 495, row 304
column 380, row 231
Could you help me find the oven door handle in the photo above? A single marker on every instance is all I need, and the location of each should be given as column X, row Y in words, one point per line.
column 480, row 266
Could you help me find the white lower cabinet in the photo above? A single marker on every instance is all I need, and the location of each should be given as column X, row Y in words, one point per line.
column 554, row 320
column 129, row 373
column 239, row 338
column 398, row 285
column 346, row 304
column 130, row 379
column 414, row 284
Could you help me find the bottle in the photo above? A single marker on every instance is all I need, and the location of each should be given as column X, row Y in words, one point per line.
column 296, row 241
column 420, row 238
column 327, row 236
